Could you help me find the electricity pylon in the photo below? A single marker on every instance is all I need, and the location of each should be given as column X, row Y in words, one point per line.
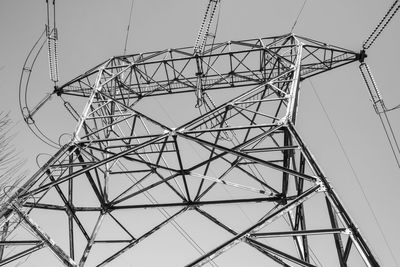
column 127, row 176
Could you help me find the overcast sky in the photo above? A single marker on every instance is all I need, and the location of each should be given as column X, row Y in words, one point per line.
column 91, row 31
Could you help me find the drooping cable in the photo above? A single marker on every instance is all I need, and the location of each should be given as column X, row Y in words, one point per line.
column 25, row 78
column 298, row 16
column 128, row 28
column 354, row 173
column 382, row 25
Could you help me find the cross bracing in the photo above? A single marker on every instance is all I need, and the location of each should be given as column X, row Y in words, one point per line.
column 224, row 65
column 128, row 175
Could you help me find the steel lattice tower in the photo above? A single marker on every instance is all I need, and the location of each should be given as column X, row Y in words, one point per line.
column 127, row 174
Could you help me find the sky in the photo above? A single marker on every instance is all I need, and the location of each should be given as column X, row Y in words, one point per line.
column 91, row 31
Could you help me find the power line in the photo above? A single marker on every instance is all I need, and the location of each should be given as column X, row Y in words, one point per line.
column 128, row 28
column 354, row 174
column 298, row 15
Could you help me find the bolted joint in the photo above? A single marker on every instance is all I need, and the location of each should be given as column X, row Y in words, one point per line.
column 173, row 132
column 200, row 74
column 236, row 161
column 184, row 172
column 361, row 56
column 57, row 90
column 284, row 120
column 229, row 106
column 107, row 207
column 348, row 232
column 322, row 187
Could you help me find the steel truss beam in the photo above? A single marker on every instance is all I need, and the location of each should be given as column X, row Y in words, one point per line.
column 243, row 149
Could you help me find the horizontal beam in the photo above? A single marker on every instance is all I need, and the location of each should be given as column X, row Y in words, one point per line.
column 192, row 204
column 260, row 224
column 20, row 242
column 22, row 254
column 226, row 65
column 300, row 233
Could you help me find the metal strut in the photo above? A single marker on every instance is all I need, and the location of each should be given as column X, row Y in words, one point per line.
column 119, row 143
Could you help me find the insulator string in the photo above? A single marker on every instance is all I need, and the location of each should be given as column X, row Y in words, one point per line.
column 382, row 25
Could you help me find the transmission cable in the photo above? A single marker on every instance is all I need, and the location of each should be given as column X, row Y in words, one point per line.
column 128, row 28
column 298, row 16
column 354, row 173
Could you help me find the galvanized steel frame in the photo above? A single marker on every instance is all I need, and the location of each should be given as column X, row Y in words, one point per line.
column 112, row 133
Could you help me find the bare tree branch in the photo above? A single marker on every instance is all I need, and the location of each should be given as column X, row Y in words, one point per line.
column 11, row 164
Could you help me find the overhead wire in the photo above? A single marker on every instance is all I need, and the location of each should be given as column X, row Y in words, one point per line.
column 23, row 90
column 370, row 39
column 128, row 28
column 298, row 16
column 51, row 36
column 357, row 179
